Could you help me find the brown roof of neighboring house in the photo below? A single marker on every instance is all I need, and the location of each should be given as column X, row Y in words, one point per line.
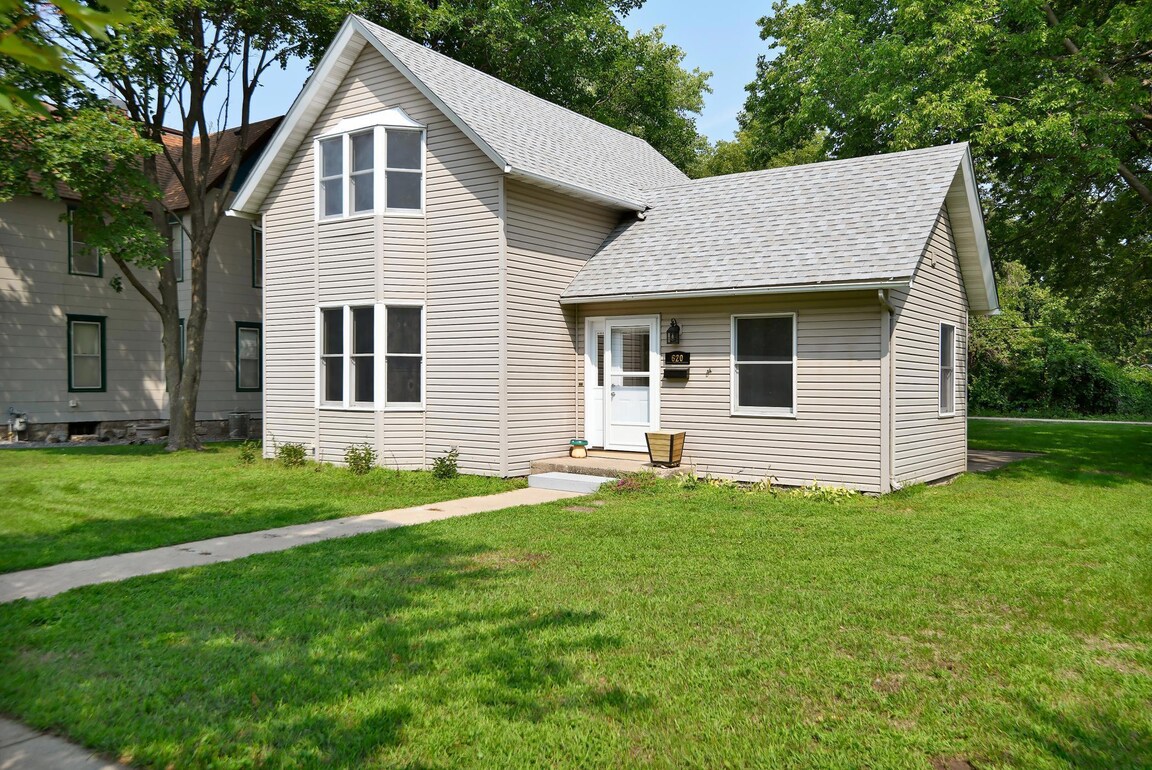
column 223, row 149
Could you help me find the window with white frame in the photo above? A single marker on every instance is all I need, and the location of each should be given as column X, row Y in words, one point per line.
column 86, row 353
column 947, row 370
column 764, row 365
column 177, row 246
column 350, row 367
column 361, row 172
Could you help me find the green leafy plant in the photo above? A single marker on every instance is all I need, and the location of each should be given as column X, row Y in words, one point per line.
column 249, row 452
column 292, row 455
column 641, row 481
column 447, row 465
column 825, row 494
column 687, row 481
column 360, row 458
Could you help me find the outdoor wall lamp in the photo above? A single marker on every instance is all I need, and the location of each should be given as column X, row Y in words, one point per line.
column 673, row 333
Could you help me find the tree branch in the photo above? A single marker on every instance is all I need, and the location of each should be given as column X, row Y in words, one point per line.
column 156, row 304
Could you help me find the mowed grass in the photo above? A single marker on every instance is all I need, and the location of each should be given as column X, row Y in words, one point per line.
column 1003, row 620
column 59, row 505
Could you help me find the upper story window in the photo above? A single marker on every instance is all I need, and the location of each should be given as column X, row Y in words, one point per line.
column 764, row 365
column 371, row 164
column 82, row 258
column 257, row 257
column 177, row 245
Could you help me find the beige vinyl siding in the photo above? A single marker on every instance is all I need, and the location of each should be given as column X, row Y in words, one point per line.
column 448, row 259
column 550, row 237
column 928, row 446
column 37, row 293
column 835, row 436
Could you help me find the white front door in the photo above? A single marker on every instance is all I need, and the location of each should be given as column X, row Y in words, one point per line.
column 621, row 381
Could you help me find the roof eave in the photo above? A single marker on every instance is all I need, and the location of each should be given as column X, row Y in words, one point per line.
column 987, row 301
column 742, row 291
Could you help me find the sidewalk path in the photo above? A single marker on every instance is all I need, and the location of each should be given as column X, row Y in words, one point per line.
column 1053, row 419
column 22, row 748
column 49, row 581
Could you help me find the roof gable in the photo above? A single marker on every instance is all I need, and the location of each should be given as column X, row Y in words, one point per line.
column 858, row 223
column 523, row 135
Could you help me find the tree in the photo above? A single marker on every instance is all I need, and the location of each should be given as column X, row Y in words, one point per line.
column 38, row 60
column 176, row 56
column 576, row 53
column 1056, row 100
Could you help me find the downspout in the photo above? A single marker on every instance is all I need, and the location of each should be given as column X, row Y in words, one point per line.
column 888, row 482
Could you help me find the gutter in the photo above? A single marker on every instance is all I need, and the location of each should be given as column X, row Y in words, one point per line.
column 799, row 288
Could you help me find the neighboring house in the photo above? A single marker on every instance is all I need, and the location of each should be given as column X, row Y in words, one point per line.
column 452, row 262
column 81, row 358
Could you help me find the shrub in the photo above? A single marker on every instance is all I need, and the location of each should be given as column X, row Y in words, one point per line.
column 249, row 451
column 824, row 494
column 360, row 458
column 640, row 481
column 292, row 455
column 447, row 465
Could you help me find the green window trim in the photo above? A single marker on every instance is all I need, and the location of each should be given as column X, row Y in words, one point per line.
column 259, row 328
column 72, row 249
column 103, row 323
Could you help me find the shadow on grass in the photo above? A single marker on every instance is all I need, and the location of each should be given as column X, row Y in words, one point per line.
column 1098, row 740
column 1092, row 455
column 327, row 655
column 96, row 537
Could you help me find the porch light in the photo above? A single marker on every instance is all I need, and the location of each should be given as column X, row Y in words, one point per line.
column 673, row 333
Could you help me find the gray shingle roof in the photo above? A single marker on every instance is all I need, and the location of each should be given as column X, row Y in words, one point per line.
column 533, row 135
column 864, row 219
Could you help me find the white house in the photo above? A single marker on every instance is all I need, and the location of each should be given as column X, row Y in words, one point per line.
column 452, row 262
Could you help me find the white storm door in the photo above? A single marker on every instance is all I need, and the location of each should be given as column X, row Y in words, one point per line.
column 594, row 381
column 631, row 381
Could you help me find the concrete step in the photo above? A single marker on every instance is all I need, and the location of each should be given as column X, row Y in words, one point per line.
column 568, row 482
column 612, row 467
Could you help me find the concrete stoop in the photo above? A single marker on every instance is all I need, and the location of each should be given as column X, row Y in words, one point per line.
column 568, row 482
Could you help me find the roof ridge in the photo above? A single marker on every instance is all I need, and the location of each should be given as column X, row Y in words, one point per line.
column 821, row 163
column 504, row 83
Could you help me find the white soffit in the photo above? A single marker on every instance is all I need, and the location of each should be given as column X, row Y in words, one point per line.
column 971, row 240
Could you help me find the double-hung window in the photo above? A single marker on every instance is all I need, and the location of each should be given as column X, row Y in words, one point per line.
column 947, row 370
column 764, row 365
column 177, row 245
column 82, row 258
column 355, row 373
column 248, row 356
column 257, row 257
column 86, row 353
column 374, row 164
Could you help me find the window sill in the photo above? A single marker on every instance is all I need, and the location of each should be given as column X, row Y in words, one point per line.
column 752, row 413
column 389, row 214
column 945, row 415
column 354, row 408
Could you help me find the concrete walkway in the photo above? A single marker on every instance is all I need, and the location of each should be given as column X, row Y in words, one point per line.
column 22, row 748
column 49, row 581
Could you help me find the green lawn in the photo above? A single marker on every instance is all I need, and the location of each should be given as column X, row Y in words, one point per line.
column 1004, row 620
column 73, row 503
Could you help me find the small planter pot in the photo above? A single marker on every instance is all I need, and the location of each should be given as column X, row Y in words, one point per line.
column 665, row 447
column 578, row 448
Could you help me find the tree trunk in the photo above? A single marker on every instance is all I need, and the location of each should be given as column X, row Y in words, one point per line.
column 184, row 396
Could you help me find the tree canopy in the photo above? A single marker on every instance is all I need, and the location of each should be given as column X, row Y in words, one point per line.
column 1056, row 99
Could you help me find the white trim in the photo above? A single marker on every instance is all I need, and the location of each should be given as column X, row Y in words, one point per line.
column 380, row 171
column 406, row 406
column 394, row 117
column 590, row 371
column 653, row 424
column 799, row 288
column 987, row 273
column 940, row 369
column 734, row 373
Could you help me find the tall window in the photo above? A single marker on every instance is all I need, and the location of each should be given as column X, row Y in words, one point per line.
column 82, row 258
column 257, row 257
column 405, row 359
column 177, row 245
column 348, row 182
column 350, row 367
column 947, row 370
column 86, row 353
column 764, row 364
column 248, row 356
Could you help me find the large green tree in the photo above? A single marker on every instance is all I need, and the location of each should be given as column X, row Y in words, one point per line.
column 1056, row 99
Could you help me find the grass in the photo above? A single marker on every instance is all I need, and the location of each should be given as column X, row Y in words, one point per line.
column 1003, row 620
column 79, row 503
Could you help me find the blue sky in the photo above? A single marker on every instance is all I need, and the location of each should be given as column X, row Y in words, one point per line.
column 720, row 37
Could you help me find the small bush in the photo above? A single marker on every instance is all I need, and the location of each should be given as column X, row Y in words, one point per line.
column 687, row 481
column 447, row 465
column 641, row 481
column 360, row 458
column 292, row 455
column 249, row 452
column 823, row 494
